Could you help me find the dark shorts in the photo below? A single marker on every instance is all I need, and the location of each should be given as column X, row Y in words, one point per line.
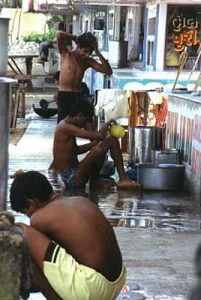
column 68, row 177
column 65, row 101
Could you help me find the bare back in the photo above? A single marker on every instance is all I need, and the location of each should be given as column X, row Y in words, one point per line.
column 79, row 226
column 64, row 148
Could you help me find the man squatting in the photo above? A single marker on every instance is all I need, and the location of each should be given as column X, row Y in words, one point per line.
column 73, row 247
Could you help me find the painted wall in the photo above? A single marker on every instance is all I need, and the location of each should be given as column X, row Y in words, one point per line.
column 183, row 132
column 22, row 24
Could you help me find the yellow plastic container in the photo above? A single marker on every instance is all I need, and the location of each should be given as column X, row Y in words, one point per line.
column 117, row 131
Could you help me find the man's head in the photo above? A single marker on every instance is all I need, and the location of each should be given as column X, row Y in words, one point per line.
column 86, row 43
column 84, row 110
column 28, row 187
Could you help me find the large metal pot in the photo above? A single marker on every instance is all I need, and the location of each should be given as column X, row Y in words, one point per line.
column 161, row 176
column 142, row 140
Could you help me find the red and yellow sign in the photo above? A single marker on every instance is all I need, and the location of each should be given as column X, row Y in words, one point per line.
column 185, row 32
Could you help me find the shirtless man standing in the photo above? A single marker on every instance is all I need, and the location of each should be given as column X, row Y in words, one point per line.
column 73, row 66
column 76, row 173
column 69, row 240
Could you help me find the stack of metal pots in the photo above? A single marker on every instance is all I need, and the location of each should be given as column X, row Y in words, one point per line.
column 157, row 168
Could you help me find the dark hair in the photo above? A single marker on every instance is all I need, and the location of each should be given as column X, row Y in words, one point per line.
column 83, row 106
column 86, row 40
column 31, row 184
column 57, row 75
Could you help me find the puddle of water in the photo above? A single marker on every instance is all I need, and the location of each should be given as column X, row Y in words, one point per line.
column 158, row 210
column 165, row 211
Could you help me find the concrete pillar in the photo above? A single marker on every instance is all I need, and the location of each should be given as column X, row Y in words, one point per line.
column 117, row 20
column 4, row 111
column 4, row 22
column 161, row 37
column 5, row 91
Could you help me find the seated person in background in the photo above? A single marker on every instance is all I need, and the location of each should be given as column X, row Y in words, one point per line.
column 44, row 50
column 74, row 262
column 76, row 173
column 92, row 125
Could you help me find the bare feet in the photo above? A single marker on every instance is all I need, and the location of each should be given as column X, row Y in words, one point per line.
column 127, row 184
column 103, row 183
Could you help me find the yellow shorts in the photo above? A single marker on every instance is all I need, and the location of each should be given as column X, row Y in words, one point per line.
column 73, row 281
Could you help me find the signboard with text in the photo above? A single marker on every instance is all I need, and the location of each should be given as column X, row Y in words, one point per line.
column 183, row 30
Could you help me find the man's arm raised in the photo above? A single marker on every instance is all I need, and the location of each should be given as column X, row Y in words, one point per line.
column 104, row 66
column 63, row 39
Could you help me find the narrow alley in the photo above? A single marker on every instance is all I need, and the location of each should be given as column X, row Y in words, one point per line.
column 158, row 232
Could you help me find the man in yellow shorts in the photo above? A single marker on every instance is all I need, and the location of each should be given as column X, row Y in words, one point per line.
column 71, row 243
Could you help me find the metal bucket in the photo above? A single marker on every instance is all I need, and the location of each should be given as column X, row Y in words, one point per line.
column 4, row 22
column 161, row 176
column 142, row 140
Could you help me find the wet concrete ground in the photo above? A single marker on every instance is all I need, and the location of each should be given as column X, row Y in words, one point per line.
column 158, row 232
